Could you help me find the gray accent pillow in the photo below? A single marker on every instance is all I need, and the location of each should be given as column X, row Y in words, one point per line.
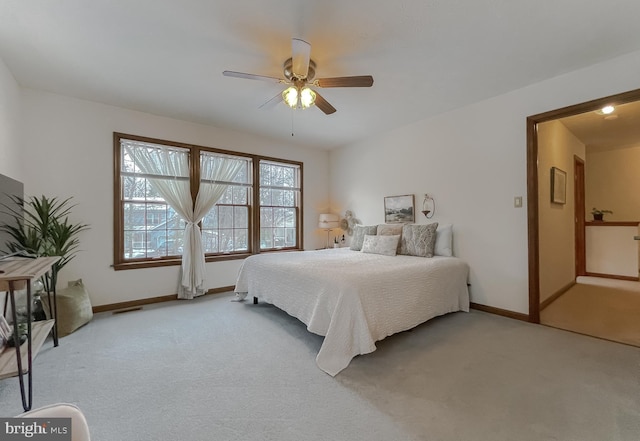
column 357, row 237
column 418, row 240
column 385, row 245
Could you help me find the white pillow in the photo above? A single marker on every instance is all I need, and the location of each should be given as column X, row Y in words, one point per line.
column 444, row 240
column 385, row 245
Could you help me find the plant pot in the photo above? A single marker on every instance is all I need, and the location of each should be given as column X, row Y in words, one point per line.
column 598, row 216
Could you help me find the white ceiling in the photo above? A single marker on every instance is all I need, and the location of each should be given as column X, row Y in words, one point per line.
column 426, row 56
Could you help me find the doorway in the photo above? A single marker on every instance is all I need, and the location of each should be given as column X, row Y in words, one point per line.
column 533, row 190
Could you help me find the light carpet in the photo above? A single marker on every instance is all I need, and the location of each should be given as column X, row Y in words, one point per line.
column 211, row 369
column 590, row 307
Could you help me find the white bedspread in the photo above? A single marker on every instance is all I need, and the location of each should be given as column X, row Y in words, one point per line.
column 354, row 299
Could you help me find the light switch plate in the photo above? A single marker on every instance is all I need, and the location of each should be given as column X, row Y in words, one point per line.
column 517, row 202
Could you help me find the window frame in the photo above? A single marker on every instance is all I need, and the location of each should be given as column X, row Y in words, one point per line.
column 120, row 263
column 297, row 198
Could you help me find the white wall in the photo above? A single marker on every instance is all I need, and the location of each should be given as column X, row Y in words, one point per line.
column 611, row 250
column 612, row 181
column 10, row 113
column 473, row 161
column 69, row 144
column 557, row 147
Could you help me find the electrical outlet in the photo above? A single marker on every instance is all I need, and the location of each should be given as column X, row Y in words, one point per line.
column 517, row 202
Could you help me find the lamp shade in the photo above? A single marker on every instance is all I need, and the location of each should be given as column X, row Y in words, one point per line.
column 329, row 221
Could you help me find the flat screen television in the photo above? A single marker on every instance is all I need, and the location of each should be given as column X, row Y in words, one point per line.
column 9, row 188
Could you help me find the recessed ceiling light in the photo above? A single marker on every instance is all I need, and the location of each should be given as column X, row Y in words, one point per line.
column 608, row 109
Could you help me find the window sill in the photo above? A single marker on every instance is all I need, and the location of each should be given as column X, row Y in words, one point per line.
column 154, row 263
column 146, row 264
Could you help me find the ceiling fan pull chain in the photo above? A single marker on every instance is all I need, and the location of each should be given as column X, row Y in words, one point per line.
column 291, row 122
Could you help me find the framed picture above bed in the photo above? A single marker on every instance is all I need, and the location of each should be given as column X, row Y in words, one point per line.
column 399, row 209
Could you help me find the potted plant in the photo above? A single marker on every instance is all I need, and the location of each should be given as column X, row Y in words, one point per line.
column 598, row 215
column 44, row 229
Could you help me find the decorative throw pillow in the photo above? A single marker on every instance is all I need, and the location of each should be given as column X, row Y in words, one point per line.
column 444, row 241
column 74, row 307
column 357, row 237
column 418, row 240
column 389, row 230
column 385, row 245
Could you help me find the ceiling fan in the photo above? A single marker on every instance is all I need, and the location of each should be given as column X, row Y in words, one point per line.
column 299, row 74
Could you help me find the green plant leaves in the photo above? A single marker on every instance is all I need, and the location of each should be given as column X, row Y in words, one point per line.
column 44, row 229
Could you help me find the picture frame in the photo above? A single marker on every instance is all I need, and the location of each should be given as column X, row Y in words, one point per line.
column 558, row 186
column 399, row 209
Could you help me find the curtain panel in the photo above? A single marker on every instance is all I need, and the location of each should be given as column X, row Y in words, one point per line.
column 167, row 171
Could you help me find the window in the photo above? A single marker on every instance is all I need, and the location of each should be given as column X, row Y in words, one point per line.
column 225, row 228
column 279, row 194
column 149, row 232
column 150, row 227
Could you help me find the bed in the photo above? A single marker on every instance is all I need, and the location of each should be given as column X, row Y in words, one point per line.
column 352, row 298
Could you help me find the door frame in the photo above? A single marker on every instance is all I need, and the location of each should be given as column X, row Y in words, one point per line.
column 579, row 211
column 532, row 183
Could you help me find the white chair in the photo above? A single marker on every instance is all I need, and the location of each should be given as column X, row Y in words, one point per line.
column 79, row 427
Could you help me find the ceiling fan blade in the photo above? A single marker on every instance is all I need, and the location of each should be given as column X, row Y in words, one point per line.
column 301, row 51
column 248, row 76
column 357, row 81
column 272, row 102
column 324, row 105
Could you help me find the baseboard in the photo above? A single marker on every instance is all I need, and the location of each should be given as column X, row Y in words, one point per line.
column 613, row 276
column 553, row 297
column 151, row 300
column 500, row 311
column 168, row 298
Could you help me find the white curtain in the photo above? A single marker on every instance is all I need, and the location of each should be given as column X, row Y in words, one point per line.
column 215, row 174
column 171, row 167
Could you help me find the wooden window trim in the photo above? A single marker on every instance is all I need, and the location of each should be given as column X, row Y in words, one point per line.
column 195, row 150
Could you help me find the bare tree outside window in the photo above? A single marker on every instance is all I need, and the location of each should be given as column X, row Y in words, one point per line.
column 148, row 232
column 279, row 196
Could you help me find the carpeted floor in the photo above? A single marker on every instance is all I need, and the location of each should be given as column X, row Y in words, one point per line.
column 211, row 369
column 603, row 308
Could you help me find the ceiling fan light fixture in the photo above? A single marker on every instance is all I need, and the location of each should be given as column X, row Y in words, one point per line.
column 290, row 96
column 298, row 97
column 307, row 97
column 299, row 73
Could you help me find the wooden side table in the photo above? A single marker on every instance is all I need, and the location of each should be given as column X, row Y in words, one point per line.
column 17, row 273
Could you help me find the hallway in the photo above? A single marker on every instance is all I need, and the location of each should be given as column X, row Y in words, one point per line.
column 603, row 308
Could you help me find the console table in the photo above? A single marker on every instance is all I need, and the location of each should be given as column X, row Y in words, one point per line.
column 17, row 273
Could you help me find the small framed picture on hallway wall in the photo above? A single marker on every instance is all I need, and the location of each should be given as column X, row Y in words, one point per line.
column 558, row 186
